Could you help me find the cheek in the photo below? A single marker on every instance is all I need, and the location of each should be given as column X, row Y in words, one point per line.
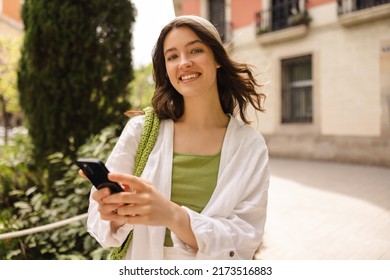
column 171, row 73
column 208, row 63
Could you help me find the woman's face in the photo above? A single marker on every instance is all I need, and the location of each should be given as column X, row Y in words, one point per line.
column 190, row 63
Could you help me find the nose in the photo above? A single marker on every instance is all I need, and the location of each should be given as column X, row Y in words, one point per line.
column 185, row 63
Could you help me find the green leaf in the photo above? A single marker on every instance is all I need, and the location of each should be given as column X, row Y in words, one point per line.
column 22, row 205
column 31, row 190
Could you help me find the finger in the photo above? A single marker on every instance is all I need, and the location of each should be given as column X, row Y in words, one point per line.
column 134, row 182
column 110, row 212
column 81, row 173
column 133, row 210
column 127, row 188
column 109, row 208
column 126, row 198
column 112, row 216
column 98, row 195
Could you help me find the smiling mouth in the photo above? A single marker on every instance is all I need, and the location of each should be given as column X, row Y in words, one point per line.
column 190, row 77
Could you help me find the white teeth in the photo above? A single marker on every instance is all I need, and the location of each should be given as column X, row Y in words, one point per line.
column 187, row 77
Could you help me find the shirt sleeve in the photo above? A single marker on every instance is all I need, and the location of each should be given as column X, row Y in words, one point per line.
column 121, row 159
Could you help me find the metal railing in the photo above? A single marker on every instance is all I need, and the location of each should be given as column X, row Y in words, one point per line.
column 282, row 14
column 349, row 6
column 47, row 227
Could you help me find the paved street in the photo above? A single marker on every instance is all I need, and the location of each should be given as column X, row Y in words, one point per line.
column 327, row 211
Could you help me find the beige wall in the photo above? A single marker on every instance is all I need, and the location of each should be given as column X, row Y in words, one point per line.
column 351, row 90
column 11, row 24
column 11, row 8
column 346, row 63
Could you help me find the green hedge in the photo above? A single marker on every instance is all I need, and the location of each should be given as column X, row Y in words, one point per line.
column 26, row 206
column 74, row 70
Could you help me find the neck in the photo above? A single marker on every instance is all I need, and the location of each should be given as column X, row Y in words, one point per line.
column 203, row 114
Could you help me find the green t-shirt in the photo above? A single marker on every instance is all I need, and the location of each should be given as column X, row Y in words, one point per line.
column 194, row 178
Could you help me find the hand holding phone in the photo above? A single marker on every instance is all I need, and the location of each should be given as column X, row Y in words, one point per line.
column 97, row 172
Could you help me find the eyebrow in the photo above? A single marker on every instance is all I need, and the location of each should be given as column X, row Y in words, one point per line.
column 186, row 45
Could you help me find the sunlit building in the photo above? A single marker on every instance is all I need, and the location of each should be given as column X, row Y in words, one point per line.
column 10, row 20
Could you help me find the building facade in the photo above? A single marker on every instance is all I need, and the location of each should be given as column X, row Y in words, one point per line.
column 10, row 21
column 325, row 66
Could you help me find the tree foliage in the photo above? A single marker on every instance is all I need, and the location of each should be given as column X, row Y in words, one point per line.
column 142, row 87
column 24, row 205
column 9, row 55
column 73, row 79
column 74, row 71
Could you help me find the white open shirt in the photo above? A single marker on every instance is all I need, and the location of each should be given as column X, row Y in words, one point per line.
column 231, row 226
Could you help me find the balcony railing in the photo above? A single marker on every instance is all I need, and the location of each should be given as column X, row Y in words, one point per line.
column 348, row 6
column 282, row 15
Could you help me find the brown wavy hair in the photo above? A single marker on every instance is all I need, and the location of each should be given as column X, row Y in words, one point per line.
column 236, row 83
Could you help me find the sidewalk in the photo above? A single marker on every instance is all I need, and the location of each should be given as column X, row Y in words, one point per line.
column 327, row 211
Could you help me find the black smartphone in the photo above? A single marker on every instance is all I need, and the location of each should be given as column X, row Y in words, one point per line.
column 97, row 173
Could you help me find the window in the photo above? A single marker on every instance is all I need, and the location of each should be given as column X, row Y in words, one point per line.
column 297, row 103
column 217, row 16
column 281, row 14
column 347, row 6
column 281, row 11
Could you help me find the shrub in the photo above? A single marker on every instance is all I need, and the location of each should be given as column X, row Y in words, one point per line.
column 68, row 197
column 74, row 71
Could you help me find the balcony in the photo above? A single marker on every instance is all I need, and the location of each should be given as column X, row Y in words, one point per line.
column 285, row 20
column 353, row 12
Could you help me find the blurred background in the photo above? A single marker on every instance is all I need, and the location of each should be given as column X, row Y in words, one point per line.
column 324, row 66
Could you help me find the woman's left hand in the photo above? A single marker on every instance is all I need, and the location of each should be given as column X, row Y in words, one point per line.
column 145, row 205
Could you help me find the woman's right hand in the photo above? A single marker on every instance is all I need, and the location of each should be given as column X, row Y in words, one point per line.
column 107, row 211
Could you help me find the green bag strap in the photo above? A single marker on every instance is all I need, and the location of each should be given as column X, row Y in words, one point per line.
column 148, row 138
column 145, row 146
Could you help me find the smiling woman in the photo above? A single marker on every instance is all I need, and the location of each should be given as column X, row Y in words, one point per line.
column 188, row 59
column 203, row 192
column 235, row 81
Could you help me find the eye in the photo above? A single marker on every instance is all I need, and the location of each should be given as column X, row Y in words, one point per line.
column 197, row 50
column 171, row 57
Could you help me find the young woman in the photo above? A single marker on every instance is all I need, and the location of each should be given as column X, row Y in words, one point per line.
column 203, row 192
